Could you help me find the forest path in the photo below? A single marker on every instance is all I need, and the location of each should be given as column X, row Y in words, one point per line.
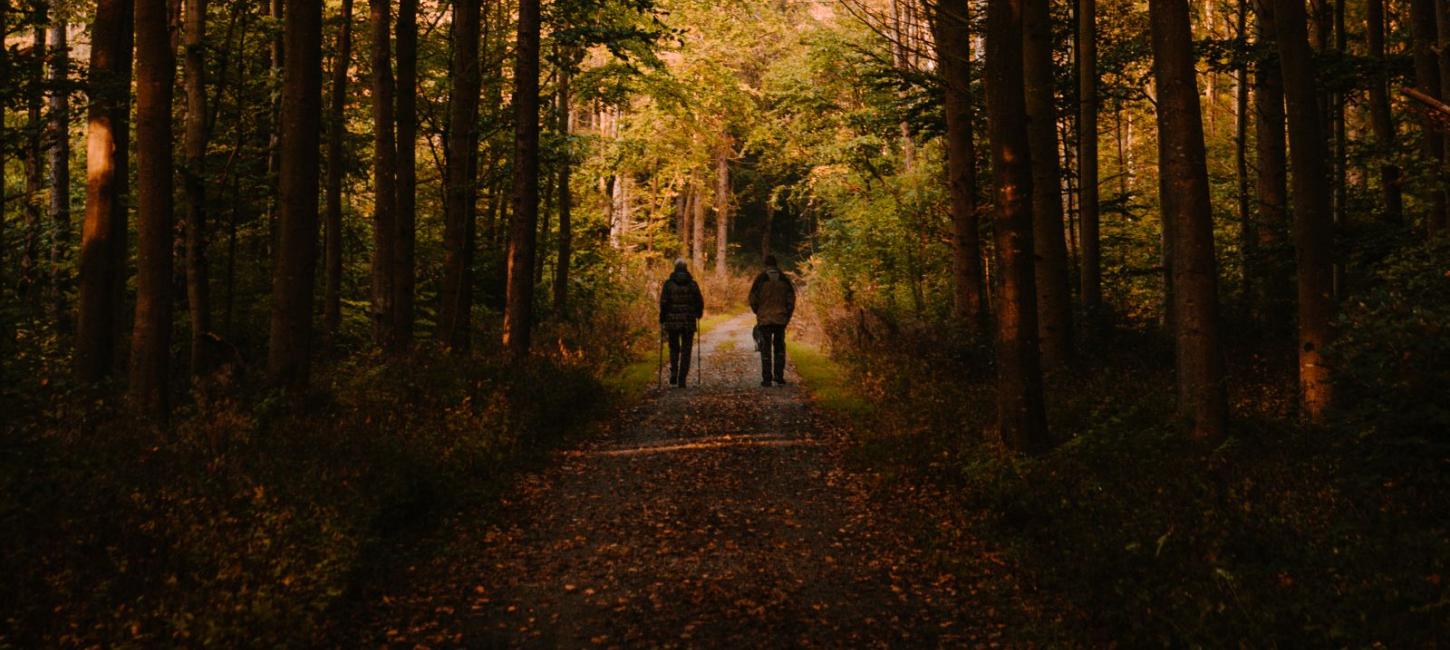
column 715, row 515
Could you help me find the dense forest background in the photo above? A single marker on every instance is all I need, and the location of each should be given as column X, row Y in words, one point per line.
column 1162, row 285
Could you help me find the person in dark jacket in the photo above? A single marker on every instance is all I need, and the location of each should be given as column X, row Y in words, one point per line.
column 772, row 298
column 681, row 307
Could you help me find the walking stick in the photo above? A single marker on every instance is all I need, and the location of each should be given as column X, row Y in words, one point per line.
column 660, row 369
column 699, row 356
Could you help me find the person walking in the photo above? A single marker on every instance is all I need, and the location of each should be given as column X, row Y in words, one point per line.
column 681, row 306
column 772, row 298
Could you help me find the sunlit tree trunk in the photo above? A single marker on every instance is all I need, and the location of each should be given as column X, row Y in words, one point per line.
column 519, row 308
column 1313, row 236
column 332, row 221
column 953, row 40
column 385, row 170
column 1021, row 420
column 1054, row 295
column 1087, row 157
column 59, row 128
column 198, row 296
column 697, row 223
column 151, row 334
column 1381, row 120
column 102, row 279
column 454, row 323
column 1423, row 40
column 407, row 184
column 722, row 213
column 1201, row 393
column 296, row 266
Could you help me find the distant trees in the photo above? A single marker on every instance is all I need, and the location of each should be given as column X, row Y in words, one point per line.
column 458, row 230
column 332, row 219
column 952, row 37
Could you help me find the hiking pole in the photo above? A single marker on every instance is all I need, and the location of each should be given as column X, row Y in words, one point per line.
column 660, row 368
column 699, row 357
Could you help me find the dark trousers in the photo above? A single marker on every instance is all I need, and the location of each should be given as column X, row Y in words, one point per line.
column 681, row 343
column 772, row 352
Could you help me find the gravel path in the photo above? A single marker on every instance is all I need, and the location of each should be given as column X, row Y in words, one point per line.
column 721, row 516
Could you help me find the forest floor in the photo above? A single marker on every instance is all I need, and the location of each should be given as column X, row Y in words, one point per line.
column 721, row 514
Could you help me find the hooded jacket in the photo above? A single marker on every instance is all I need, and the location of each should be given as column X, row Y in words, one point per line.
column 680, row 302
column 772, row 298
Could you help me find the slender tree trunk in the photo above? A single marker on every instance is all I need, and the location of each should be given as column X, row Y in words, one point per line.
column 454, row 324
column 953, row 40
column 1271, row 275
column 566, row 201
column 151, row 335
column 31, row 282
column 1442, row 16
column 697, row 222
column 722, row 214
column 1248, row 246
column 198, row 296
column 274, row 151
column 519, row 308
column 103, row 234
column 385, row 170
column 1312, row 218
column 1021, row 419
column 296, row 268
column 59, row 172
column 1202, row 398
column 765, row 231
column 1423, row 40
column 1054, row 295
column 1381, row 119
column 336, row 131
column 4, row 136
column 1087, row 157
column 406, row 216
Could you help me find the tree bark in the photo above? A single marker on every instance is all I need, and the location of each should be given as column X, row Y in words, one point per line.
column 296, row 268
column 722, row 212
column 198, row 296
column 274, row 150
column 1202, row 398
column 1442, row 16
column 1021, row 420
column 102, row 281
column 1054, row 295
column 151, row 334
column 1248, row 246
column 1313, row 229
column 332, row 221
column 1381, row 119
column 1423, row 40
column 566, row 201
column 406, row 216
column 1273, row 289
column 697, row 223
column 953, row 40
column 59, row 171
column 454, row 317
column 519, row 304
column 385, row 170
column 1087, row 158
column 29, row 289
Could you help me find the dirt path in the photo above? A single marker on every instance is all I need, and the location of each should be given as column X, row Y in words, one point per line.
column 717, row 515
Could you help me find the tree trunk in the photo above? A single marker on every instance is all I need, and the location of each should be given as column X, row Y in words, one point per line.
column 769, row 222
column 1381, row 120
column 1270, row 272
column 1087, row 157
column 151, row 334
column 722, row 212
column 1248, row 246
column 59, row 172
column 1442, row 16
column 1054, row 295
column 1424, row 39
column 697, row 222
column 100, row 299
column 274, row 151
column 385, row 170
column 1202, row 399
column 194, row 183
column 29, row 289
column 336, row 131
column 296, row 267
column 405, row 218
column 454, row 324
column 953, row 40
column 1021, row 420
column 566, row 200
column 519, row 308
column 1313, row 236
